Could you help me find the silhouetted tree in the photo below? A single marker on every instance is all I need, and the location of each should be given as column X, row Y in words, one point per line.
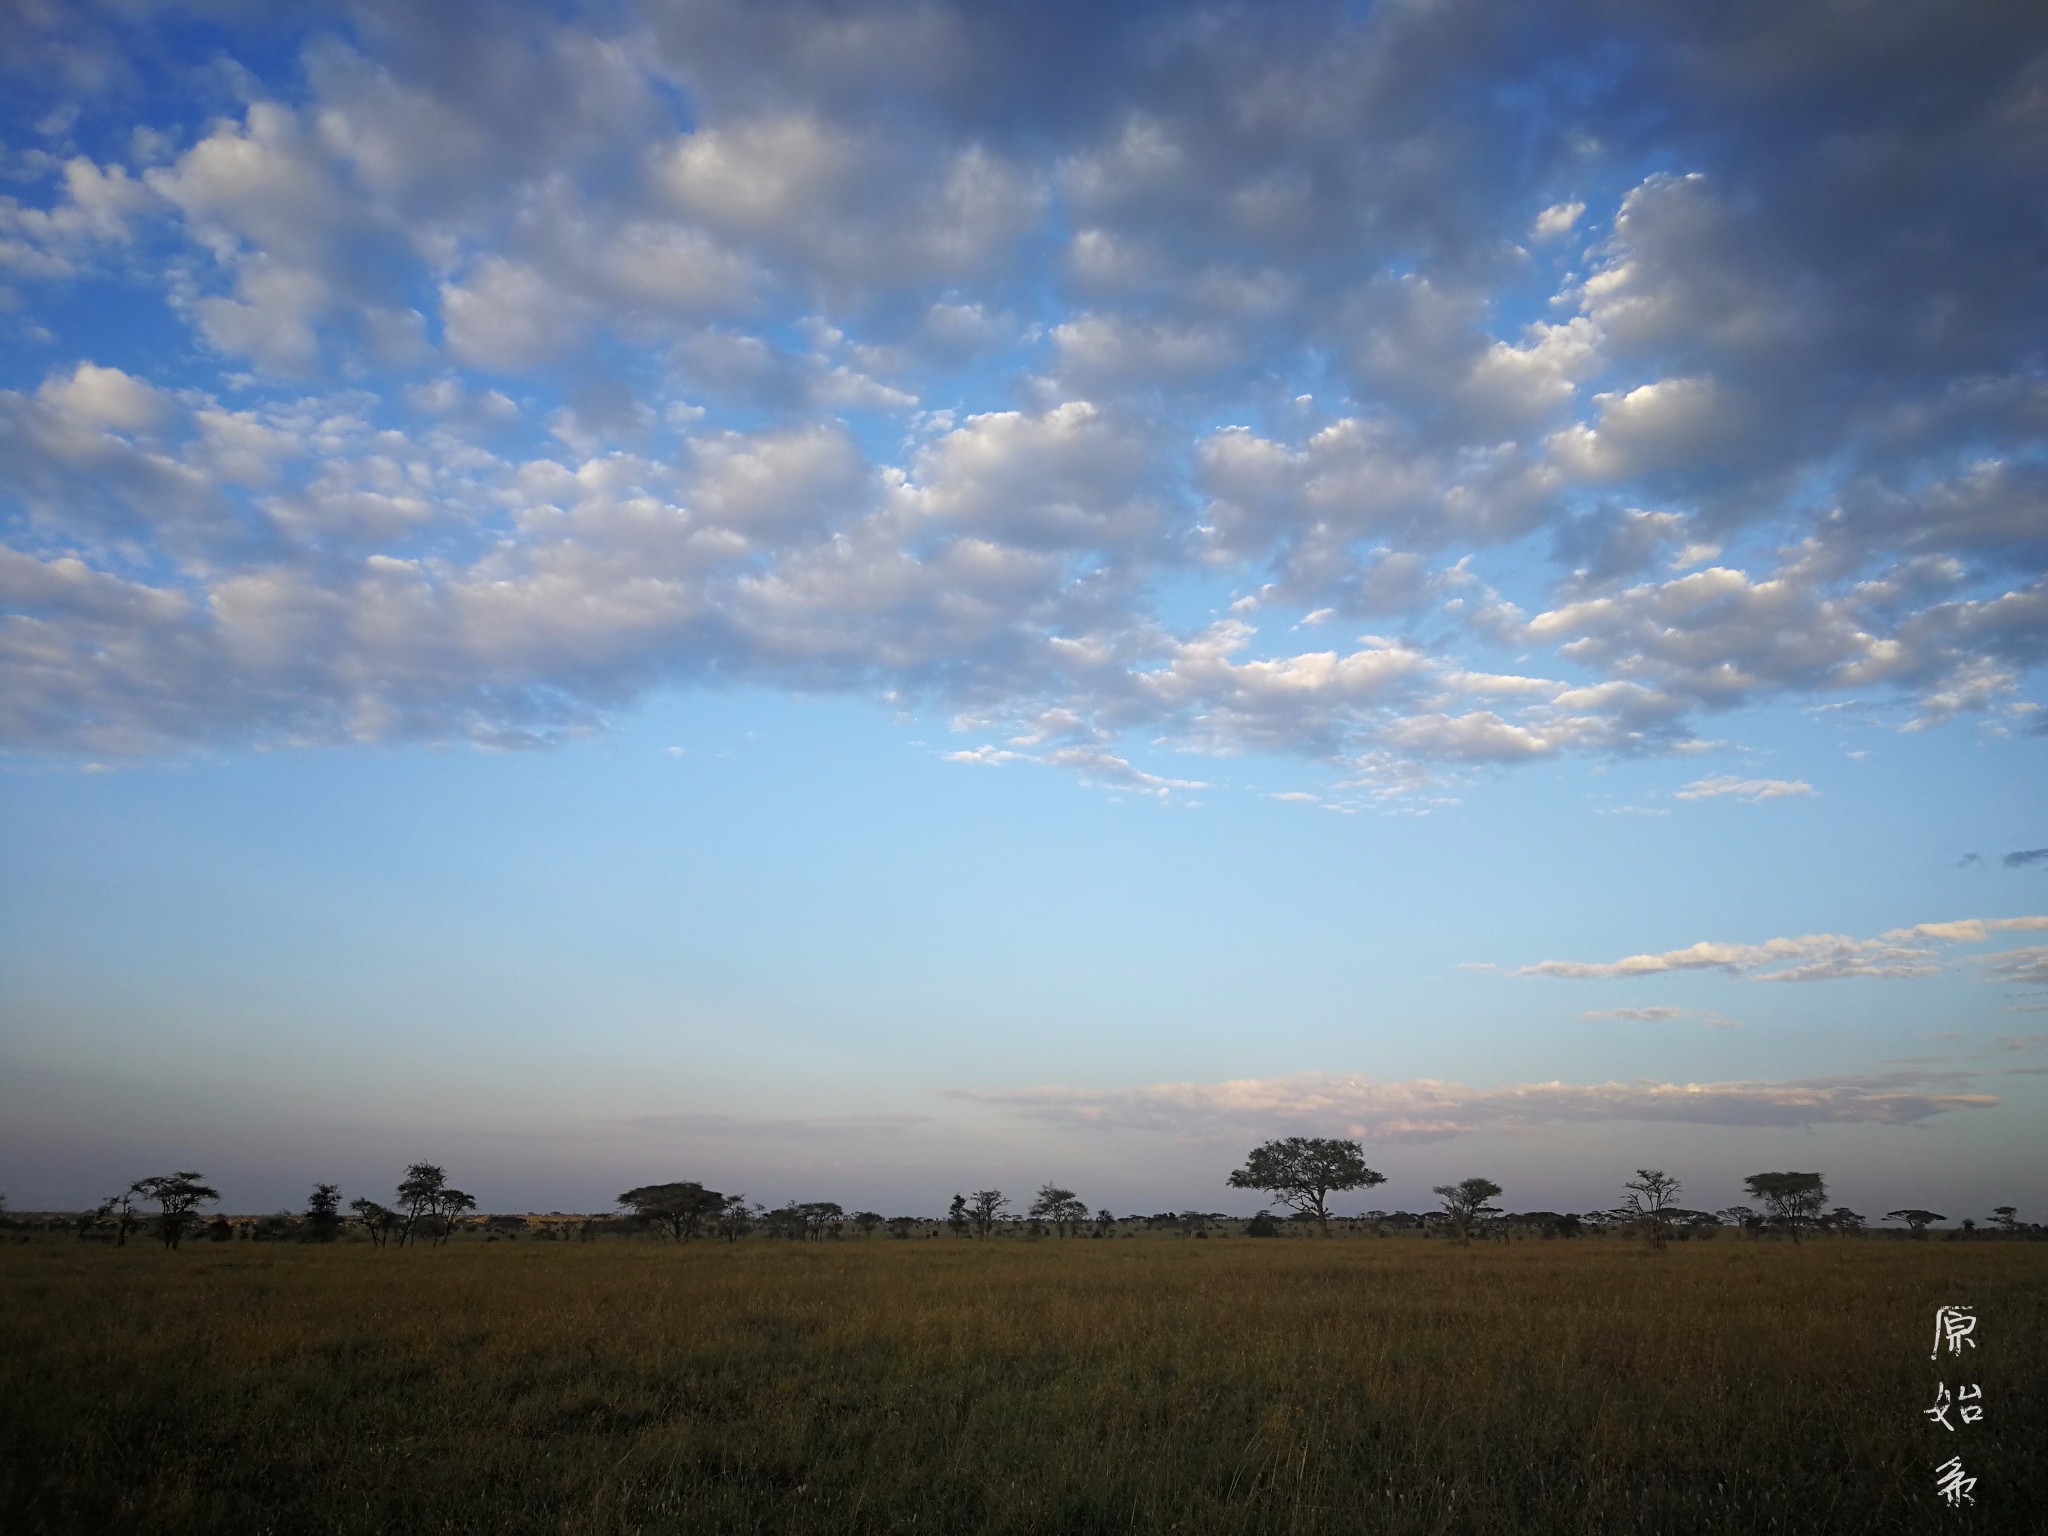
column 1105, row 1222
column 901, row 1227
column 1465, row 1204
column 84, row 1223
column 419, row 1196
column 956, row 1214
column 1262, row 1225
column 735, row 1219
column 1060, row 1207
column 177, row 1196
column 1792, row 1199
column 867, row 1221
column 681, row 1210
column 1302, row 1172
column 377, row 1220
column 984, row 1208
column 2005, row 1217
column 1742, row 1218
column 1917, row 1221
column 323, row 1213
column 1651, row 1194
column 1843, row 1220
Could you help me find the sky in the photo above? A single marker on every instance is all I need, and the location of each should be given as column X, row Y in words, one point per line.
column 857, row 599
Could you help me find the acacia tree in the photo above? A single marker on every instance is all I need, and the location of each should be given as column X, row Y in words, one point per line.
column 1302, row 1172
column 1651, row 1194
column 323, row 1213
column 867, row 1221
column 2005, row 1217
column 177, row 1196
column 426, row 1196
column 1794, row 1200
column 377, row 1220
column 734, row 1219
column 984, row 1207
column 1917, row 1221
column 419, row 1192
column 681, row 1210
column 1465, row 1204
column 1060, row 1207
column 86, row 1222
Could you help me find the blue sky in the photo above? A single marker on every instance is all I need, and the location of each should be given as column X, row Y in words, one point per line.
column 861, row 600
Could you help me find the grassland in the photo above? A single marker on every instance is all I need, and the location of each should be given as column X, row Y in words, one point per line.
column 959, row 1387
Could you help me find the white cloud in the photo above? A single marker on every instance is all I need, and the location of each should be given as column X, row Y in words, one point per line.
column 1752, row 790
column 1557, row 219
column 1809, row 467
column 1902, row 952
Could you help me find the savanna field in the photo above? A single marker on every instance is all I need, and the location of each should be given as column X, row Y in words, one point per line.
column 956, row 1386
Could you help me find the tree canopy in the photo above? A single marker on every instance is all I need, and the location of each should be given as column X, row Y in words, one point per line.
column 1302, row 1172
column 682, row 1210
column 1793, row 1200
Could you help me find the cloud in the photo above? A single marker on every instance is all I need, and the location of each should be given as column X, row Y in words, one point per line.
column 1899, row 953
column 1427, row 1109
column 2027, row 966
column 1662, row 1015
column 2024, row 857
column 938, row 352
column 1752, row 790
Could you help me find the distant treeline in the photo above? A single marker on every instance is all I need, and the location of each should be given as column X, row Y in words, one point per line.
column 1300, row 1173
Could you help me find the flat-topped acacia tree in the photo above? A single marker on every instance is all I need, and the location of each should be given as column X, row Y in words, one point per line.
column 177, row 1195
column 682, row 1209
column 1917, row 1221
column 1302, row 1172
column 1794, row 1200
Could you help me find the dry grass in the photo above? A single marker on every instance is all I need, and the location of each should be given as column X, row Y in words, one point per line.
column 956, row 1387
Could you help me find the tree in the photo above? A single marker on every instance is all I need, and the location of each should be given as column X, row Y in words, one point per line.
column 984, row 1208
column 419, row 1196
column 1262, row 1225
column 956, row 1214
column 680, row 1210
column 1060, row 1207
column 735, row 1219
column 2005, row 1217
column 901, row 1227
column 323, row 1213
column 1465, row 1204
column 177, row 1196
column 1302, row 1172
column 1917, row 1221
column 452, row 1205
column 1843, row 1220
column 1792, row 1199
column 377, row 1220
column 1105, row 1222
column 1650, row 1196
column 867, row 1221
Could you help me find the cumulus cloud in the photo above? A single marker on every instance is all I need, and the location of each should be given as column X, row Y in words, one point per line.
column 1426, row 1109
column 535, row 356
